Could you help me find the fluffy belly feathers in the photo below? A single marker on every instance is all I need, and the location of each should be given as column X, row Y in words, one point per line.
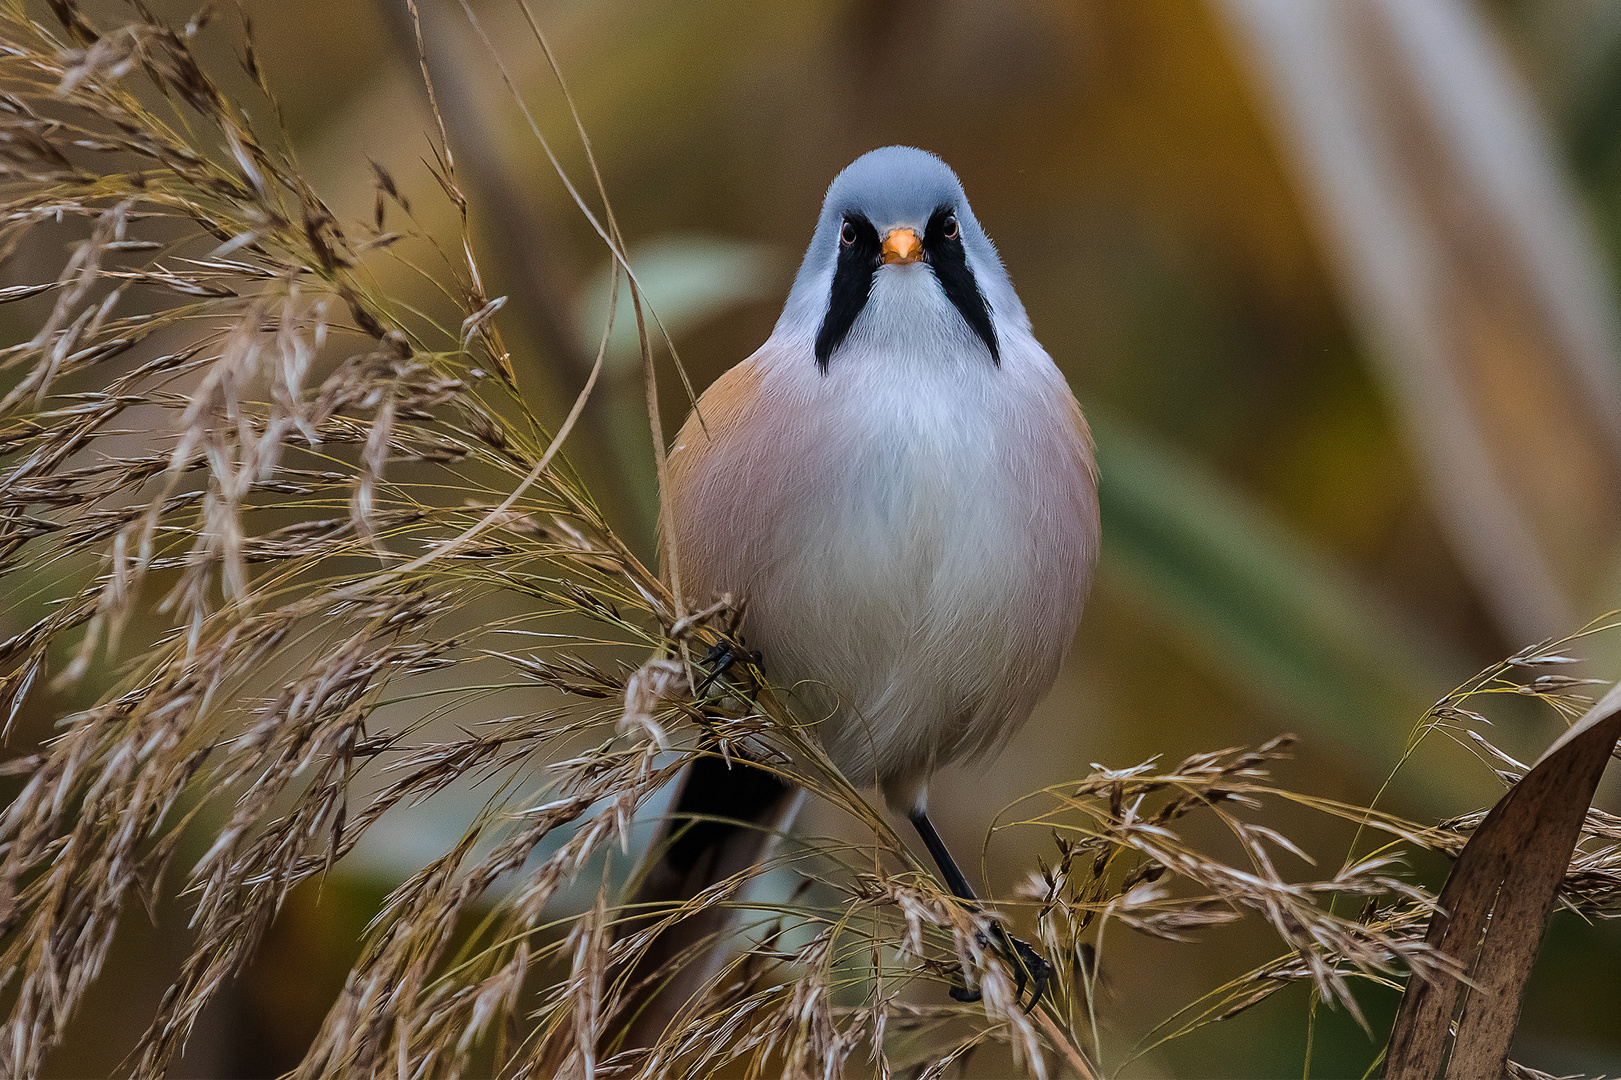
column 914, row 563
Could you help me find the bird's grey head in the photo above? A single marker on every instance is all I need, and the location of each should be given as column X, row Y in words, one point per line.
column 898, row 210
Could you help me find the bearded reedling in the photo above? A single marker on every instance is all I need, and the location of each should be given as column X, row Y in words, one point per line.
column 901, row 488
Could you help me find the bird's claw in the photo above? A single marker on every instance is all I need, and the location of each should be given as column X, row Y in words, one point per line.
column 719, row 660
column 1027, row 963
column 1028, row 966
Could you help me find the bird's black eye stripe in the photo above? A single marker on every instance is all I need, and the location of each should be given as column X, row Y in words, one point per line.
column 859, row 259
column 942, row 247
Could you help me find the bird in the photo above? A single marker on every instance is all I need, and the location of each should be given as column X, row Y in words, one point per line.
column 899, row 490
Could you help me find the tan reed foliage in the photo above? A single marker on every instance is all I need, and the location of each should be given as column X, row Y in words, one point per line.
column 267, row 508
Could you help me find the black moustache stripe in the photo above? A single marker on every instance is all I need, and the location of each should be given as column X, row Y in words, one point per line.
column 852, row 284
column 859, row 262
column 949, row 262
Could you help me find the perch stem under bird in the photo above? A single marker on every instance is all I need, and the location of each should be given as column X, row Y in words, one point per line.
column 901, row 486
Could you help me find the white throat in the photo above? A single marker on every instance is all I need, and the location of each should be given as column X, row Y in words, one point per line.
column 908, row 318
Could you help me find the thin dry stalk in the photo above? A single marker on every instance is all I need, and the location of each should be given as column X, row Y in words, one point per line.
column 290, row 531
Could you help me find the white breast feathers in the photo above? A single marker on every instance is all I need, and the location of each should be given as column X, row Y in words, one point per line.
column 914, row 532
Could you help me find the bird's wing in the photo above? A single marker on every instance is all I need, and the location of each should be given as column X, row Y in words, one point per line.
column 725, row 813
column 719, row 420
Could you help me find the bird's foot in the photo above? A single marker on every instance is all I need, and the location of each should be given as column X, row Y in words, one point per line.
column 720, row 659
column 1028, row 966
column 1028, row 963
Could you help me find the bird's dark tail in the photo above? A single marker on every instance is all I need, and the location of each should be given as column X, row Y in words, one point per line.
column 694, row 851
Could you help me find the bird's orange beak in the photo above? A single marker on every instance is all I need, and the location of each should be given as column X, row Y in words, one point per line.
column 902, row 246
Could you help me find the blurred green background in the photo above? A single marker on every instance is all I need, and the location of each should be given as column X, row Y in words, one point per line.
column 1334, row 282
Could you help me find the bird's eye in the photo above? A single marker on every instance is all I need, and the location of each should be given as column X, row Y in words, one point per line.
column 951, row 227
column 847, row 235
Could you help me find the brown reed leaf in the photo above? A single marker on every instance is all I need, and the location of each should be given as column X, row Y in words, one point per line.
column 1495, row 906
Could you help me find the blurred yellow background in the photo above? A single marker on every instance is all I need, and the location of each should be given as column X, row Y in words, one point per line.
column 1337, row 291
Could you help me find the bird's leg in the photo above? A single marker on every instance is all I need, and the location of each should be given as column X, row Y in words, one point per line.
column 955, row 881
column 1024, row 958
